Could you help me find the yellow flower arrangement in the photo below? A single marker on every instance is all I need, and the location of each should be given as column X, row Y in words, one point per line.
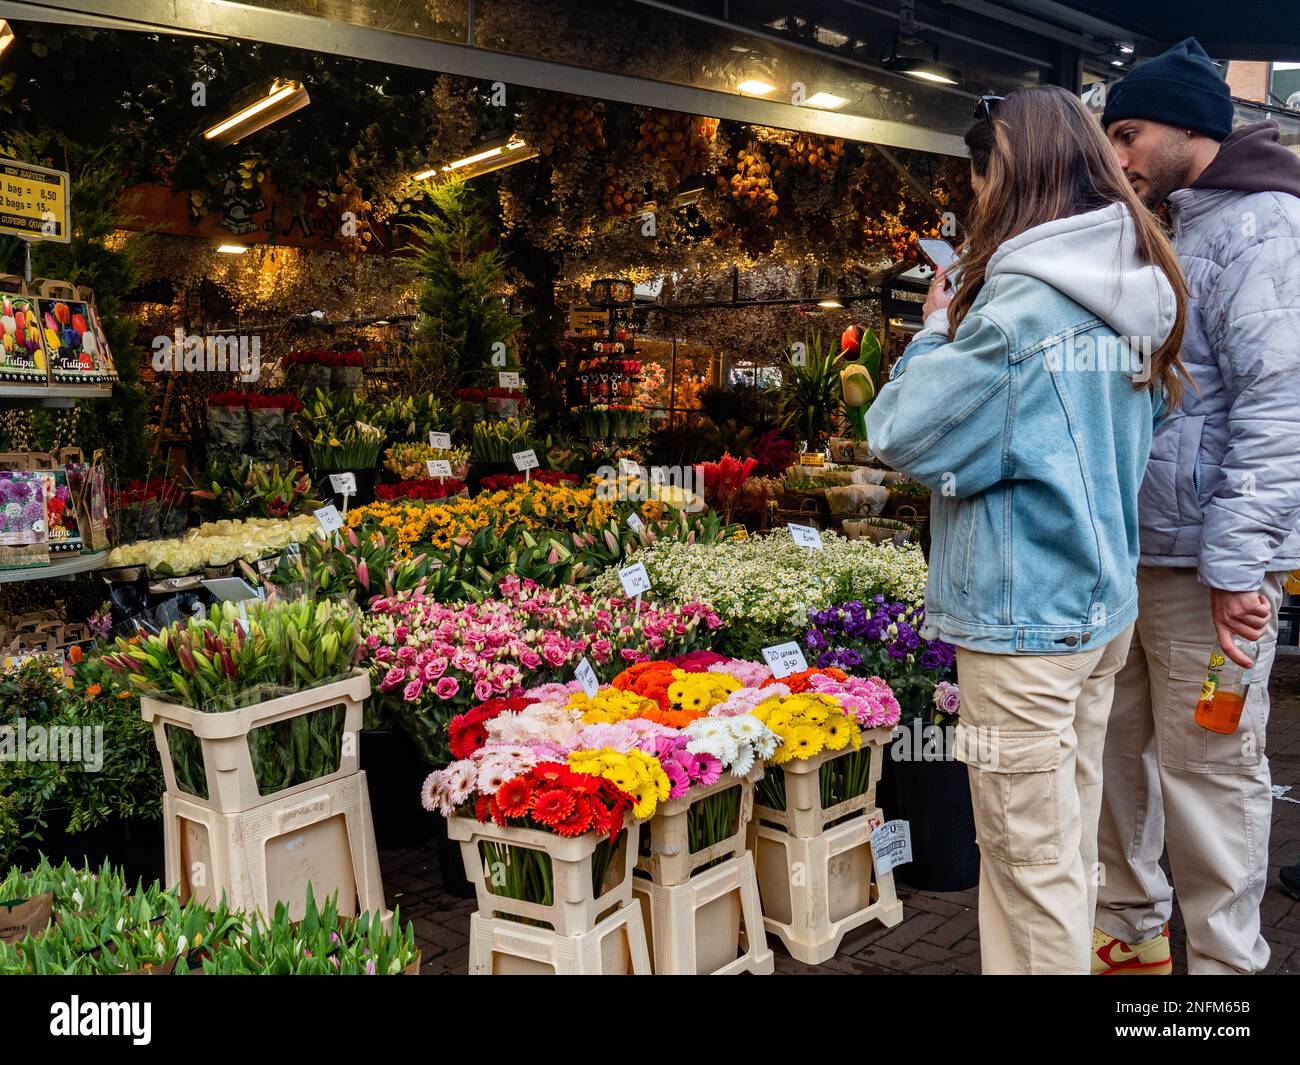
column 808, row 724
column 533, row 505
column 635, row 772
column 610, row 705
column 700, row 692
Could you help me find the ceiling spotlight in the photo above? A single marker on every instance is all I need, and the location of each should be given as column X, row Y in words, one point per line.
column 232, row 249
column 755, row 87
column 826, row 101
column 283, row 98
column 1126, row 49
column 918, row 67
column 830, row 303
column 382, row 321
column 492, row 155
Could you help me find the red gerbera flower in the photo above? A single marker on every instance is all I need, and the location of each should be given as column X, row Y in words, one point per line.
column 552, row 806
column 549, row 772
column 514, row 796
column 577, row 822
column 482, row 808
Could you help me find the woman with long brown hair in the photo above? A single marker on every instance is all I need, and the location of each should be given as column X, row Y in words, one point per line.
column 1027, row 404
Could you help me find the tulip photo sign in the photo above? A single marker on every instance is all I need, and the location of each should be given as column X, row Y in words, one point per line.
column 22, row 346
column 69, row 340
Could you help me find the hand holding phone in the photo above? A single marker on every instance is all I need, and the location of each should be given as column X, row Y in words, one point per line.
column 939, row 252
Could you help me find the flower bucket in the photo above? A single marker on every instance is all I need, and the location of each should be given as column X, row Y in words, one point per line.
column 228, row 430
column 574, row 882
column 346, row 378
column 269, row 431
column 241, row 759
column 674, row 843
column 806, row 795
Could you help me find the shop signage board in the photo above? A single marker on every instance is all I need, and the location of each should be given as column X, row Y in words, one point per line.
column 34, row 201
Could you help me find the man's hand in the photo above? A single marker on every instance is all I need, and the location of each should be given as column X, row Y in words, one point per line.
column 938, row 296
column 1245, row 614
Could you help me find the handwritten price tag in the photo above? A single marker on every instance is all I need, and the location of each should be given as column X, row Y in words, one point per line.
column 329, row 519
column 806, row 536
column 344, row 483
column 586, row 676
column 784, row 659
column 635, row 523
column 508, row 379
column 439, row 468
column 635, row 579
column 525, row 460
column 442, row 440
column 891, row 845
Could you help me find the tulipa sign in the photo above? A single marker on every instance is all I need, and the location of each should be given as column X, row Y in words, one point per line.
column 33, row 201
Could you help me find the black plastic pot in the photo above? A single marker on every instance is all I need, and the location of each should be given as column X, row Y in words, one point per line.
column 934, row 797
column 454, row 881
column 394, row 772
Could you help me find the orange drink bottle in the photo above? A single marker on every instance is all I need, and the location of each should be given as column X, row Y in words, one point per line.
column 1223, row 693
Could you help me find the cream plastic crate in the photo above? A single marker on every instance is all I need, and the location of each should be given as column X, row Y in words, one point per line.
column 816, row 890
column 576, row 908
column 710, row 925
column 803, row 814
column 269, row 854
column 665, row 836
column 614, row 946
column 227, row 762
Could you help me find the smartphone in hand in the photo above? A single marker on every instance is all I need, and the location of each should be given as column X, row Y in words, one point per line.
column 939, row 252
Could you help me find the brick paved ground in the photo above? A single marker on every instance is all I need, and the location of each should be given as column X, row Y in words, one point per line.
column 938, row 933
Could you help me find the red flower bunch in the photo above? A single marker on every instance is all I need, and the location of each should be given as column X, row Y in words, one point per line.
column 420, row 488
column 699, row 661
column 469, row 730
column 650, row 680
column 497, row 392
column 774, row 453
column 142, row 491
column 722, row 481
column 800, row 682
column 323, row 357
column 287, row 403
column 470, row 395
column 498, row 481
column 551, row 796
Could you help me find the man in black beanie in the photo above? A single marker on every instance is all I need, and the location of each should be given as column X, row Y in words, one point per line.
column 1219, row 510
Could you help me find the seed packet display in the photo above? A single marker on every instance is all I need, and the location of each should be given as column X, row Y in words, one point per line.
column 22, row 343
column 69, row 341
column 61, row 514
column 23, row 529
column 105, row 368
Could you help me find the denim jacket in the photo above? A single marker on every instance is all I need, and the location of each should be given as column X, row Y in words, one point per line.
column 1029, row 431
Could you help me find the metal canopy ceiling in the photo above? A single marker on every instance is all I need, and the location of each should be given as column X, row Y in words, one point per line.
column 1228, row 29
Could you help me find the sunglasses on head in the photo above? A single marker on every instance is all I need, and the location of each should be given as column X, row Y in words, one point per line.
column 984, row 107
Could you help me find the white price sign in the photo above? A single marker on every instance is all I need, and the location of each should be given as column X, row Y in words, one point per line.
column 329, row 519
column 635, row 579
column 442, row 440
column 345, row 484
column 891, row 845
column 806, row 536
column 508, row 379
column 525, row 460
column 439, row 468
column 635, row 523
column 585, row 675
column 231, row 589
column 784, row 659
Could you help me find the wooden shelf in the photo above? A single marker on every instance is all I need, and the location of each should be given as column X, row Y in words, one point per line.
column 65, row 566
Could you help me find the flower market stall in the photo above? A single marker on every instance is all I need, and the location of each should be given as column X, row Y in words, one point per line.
column 425, row 494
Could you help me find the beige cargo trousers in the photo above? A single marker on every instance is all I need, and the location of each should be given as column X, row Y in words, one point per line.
column 1168, row 783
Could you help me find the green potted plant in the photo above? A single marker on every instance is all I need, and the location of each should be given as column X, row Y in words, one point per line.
column 809, row 393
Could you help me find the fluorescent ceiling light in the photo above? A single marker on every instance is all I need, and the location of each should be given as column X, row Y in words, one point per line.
column 494, row 155
column 232, row 249
column 830, row 303
column 826, row 101
column 754, row 87
column 1126, row 49
column 283, row 98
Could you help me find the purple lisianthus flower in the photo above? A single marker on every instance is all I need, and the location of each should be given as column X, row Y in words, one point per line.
column 815, row 640
column 827, row 659
column 850, row 658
